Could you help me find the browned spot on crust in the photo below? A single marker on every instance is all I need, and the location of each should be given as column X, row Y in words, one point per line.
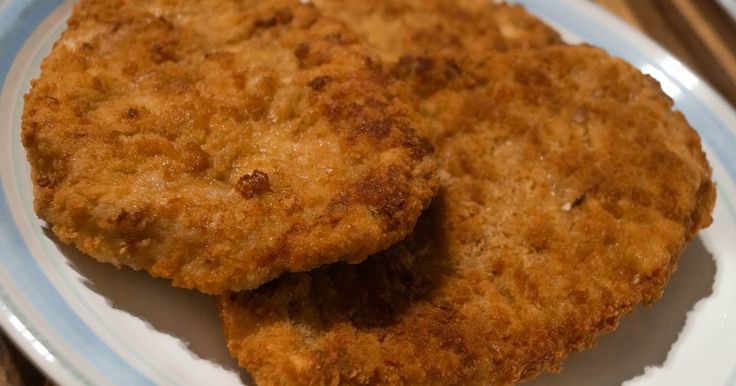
column 196, row 159
column 384, row 190
column 420, row 146
column 281, row 16
column 266, row 23
column 45, row 181
column 284, row 16
column 251, row 185
column 129, row 220
column 301, row 51
column 164, row 52
column 338, row 207
column 427, row 75
column 86, row 47
column 320, row 82
column 377, row 128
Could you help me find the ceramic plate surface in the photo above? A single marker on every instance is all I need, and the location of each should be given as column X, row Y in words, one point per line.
column 84, row 322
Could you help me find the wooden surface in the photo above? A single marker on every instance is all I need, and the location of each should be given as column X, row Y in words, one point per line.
column 696, row 31
column 699, row 32
column 15, row 370
column 9, row 374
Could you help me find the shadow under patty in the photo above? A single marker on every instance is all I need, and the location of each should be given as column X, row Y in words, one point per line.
column 189, row 316
column 644, row 337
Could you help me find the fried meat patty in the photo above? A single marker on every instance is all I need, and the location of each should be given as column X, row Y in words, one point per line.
column 220, row 143
column 569, row 187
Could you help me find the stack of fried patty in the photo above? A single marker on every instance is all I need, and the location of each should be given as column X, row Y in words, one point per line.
column 379, row 192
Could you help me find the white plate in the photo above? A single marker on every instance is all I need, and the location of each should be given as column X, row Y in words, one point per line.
column 86, row 323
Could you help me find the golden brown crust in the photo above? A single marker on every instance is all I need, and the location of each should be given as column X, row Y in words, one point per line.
column 429, row 39
column 221, row 143
column 455, row 28
column 569, row 188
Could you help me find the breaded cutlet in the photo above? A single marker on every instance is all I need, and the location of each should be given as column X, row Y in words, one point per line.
column 221, row 143
column 569, row 187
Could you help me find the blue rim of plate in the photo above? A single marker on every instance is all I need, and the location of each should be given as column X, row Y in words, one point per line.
column 19, row 18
